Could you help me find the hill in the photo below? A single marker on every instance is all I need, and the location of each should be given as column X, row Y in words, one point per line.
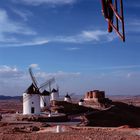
column 2, row 97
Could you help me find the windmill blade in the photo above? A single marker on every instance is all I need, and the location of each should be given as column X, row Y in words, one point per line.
column 26, row 98
column 57, row 87
column 32, row 77
column 43, row 100
column 50, row 81
column 47, row 83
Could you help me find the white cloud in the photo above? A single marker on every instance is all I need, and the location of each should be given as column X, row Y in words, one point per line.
column 52, row 2
column 9, row 28
column 14, row 81
column 8, row 72
column 94, row 36
column 34, row 65
column 133, row 74
column 135, row 22
column 59, row 74
column 129, row 75
column 72, row 49
column 24, row 14
column 5, row 68
column 133, row 25
column 121, row 67
column 34, row 42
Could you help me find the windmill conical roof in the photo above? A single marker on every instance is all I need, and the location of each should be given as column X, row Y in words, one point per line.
column 67, row 96
column 54, row 90
column 46, row 93
column 81, row 100
column 31, row 89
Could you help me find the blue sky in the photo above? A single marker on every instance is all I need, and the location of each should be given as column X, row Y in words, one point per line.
column 68, row 40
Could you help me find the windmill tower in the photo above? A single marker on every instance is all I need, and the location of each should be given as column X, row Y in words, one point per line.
column 81, row 102
column 45, row 99
column 31, row 100
column 67, row 98
column 45, row 95
column 32, row 96
column 55, row 94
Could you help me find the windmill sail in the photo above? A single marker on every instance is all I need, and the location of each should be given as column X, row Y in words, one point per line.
column 32, row 77
column 47, row 83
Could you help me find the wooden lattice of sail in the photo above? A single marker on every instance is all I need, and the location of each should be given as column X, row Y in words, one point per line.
column 113, row 13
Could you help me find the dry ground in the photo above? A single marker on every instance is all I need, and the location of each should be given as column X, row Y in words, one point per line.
column 10, row 130
column 74, row 134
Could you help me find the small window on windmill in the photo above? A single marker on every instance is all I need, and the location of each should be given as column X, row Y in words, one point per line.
column 32, row 102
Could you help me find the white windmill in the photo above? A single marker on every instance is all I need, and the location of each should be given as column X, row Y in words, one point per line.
column 45, row 95
column 67, row 98
column 81, row 102
column 45, row 99
column 55, row 94
column 33, row 98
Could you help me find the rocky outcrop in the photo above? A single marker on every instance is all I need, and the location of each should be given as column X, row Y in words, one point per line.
column 117, row 115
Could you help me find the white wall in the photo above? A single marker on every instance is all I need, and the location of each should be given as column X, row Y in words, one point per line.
column 29, row 101
column 54, row 96
column 45, row 99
